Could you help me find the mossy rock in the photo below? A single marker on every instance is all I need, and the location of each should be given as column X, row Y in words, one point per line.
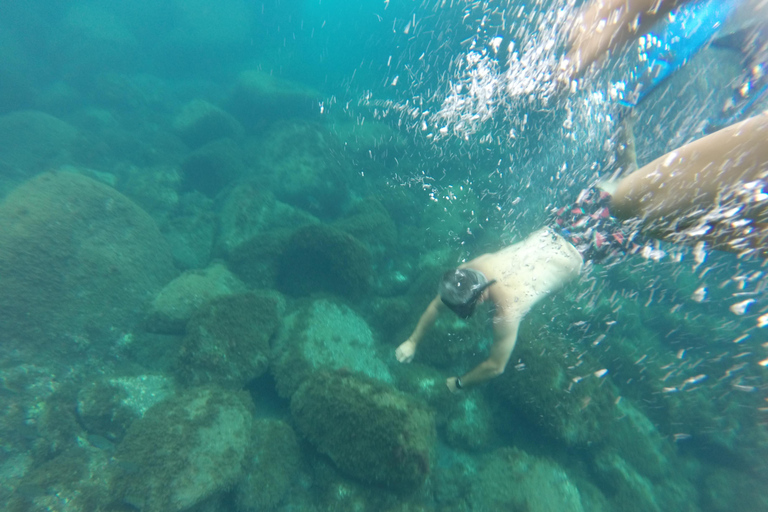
column 178, row 301
column 321, row 258
column 257, row 260
column 32, row 141
column 200, row 122
column 271, row 466
column 324, row 335
column 79, row 262
column 513, row 480
column 79, row 478
column 368, row 221
column 260, row 97
column 213, row 167
column 555, row 390
column 305, row 165
column 371, row 431
column 249, row 213
column 184, row 450
column 108, row 406
column 228, row 339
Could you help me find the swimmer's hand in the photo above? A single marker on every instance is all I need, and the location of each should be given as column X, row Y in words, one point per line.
column 405, row 351
column 451, row 383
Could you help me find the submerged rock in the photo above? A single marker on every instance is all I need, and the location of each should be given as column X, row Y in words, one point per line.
column 271, row 466
column 228, row 339
column 32, row 141
column 211, row 168
column 371, row 431
column 79, row 262
column 565, row 400
column 324, row 335
column 172, row 308
column 319, row 258
column 184, row 450
column 200, row 122
column 249, row 211
column 260, row 97
column 190, row 229
column 306, row 166
column 77, row 480
column 514, row 480
column 107, row 407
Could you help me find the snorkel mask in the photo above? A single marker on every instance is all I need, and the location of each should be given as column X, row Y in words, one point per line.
column 461, row 288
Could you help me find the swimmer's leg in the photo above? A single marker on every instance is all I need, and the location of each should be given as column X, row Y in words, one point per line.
column 711, row 189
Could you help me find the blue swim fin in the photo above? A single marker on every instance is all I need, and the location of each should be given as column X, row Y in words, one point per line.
column 752, row 86
column 673, row 41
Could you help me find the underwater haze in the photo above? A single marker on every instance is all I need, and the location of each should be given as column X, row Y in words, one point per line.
column 220, row 219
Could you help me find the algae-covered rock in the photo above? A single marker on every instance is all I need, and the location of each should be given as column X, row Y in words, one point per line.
column 184, row 450
column 108, row 406
column 557, row 390
column 32, row 141
column 306, row 166
column 324, row 335
column 190, row 230
column 514, row 480
column 228, row 339
column 371, row 431
column 368, row 221
column 259, row 97
column 271, row 466
column 248, row 211
column 78, row 480
column 200, row 122
column 79, row 262
column 178, row 300
column 212, row 167
column 319, row 258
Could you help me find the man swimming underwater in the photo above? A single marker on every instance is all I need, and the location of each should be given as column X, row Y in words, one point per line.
column 708, row 191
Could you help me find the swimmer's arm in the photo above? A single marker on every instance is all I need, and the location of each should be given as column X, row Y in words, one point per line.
column 407, row 349
column 505, row 336
column 603, row 25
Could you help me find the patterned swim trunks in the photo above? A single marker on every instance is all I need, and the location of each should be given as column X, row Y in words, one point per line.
column 589, row 226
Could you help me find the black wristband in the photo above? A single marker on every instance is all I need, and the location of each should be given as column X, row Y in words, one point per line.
column 458, row 383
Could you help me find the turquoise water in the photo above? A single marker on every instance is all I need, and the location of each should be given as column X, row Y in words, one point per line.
column 218, row 220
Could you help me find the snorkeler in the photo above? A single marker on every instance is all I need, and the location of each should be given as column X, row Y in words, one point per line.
column 514, row 279
column 707, row 191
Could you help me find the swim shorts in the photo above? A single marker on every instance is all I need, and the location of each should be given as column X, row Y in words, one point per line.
column 589, row 226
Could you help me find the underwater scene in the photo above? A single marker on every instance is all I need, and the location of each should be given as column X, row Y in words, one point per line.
column 383, row 255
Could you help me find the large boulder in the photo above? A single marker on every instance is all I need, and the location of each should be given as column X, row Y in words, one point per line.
column 200, row 122
column 212, row 167
column 371, row 431
column 271, row 466
column 260, row 97
column 561, row 392
column 320, row 258
column 513, row 480
column 32, row 141
column 78, row 263
column 305, row 165
column 324, row 335
column 77, row 480
column 248, row 211
column 172, row 308
column 184, row 450
column 228, row 339
column 106, row 407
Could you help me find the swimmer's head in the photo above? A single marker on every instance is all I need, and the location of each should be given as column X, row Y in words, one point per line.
column 461, row 288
